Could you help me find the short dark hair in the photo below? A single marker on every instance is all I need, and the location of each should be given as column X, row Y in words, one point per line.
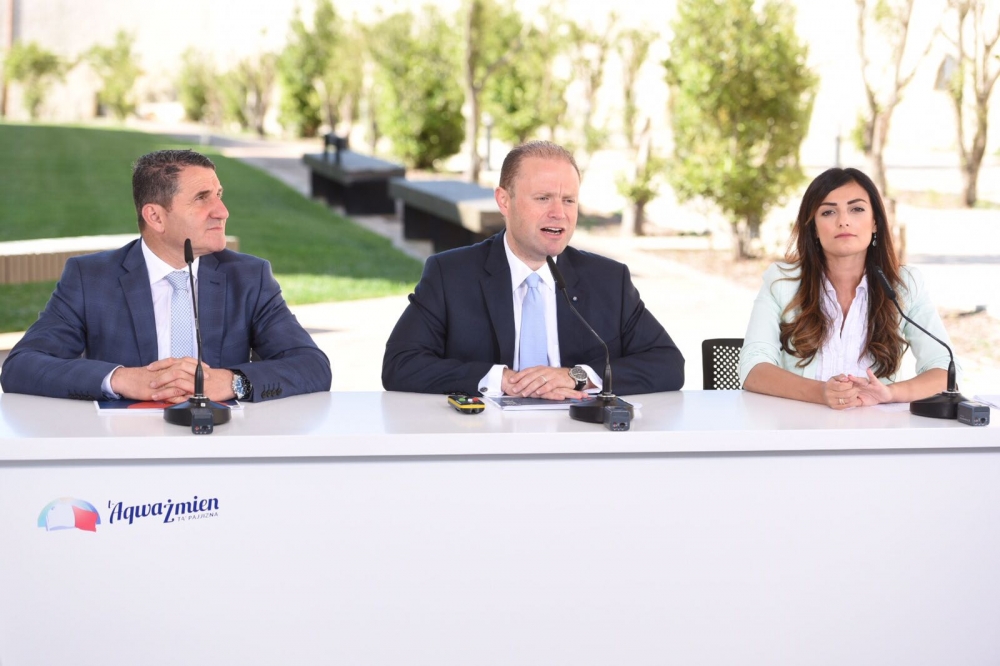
column 154, row 177
column 543, row 149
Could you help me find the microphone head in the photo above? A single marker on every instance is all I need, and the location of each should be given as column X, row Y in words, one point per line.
column 556, row 275
column 884, row 281
column 188, row 252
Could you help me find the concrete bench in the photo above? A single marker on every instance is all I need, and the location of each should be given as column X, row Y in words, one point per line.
column 449, row 213
column 43, row 259
column 358, row 183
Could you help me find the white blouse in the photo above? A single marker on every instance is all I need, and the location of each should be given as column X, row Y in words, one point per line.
column 843, row 351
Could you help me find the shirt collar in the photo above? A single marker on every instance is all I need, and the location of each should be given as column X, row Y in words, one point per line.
column 520, row 270
column 862, row 286
column 159, row 269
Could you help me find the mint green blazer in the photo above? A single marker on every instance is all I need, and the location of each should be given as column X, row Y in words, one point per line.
column 761, row 343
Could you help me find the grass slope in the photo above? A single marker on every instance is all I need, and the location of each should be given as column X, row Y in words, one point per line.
column 73, row 181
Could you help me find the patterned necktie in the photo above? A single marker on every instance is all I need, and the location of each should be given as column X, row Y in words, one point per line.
column 534, row 342
column 181, row 316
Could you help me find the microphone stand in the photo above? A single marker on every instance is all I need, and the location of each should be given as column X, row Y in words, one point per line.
column 944, row 405
column 198, row 412
column 592, row 410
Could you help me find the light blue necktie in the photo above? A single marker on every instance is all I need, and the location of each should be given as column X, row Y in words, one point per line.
column 534, row 342
column 181, row 316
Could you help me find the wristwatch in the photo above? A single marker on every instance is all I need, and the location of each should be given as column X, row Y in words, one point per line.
column 242, row 387
column 579, row 375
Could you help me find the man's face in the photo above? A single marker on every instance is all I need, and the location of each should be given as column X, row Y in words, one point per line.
column 196, row 212
column 541, row 209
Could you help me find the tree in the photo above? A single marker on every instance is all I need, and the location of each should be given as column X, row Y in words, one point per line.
column 35, row 68
column 419, row 99
column 641, row 186
column 588, row 55
column 633, row 49
column 527, row 95
column 246, row 91
column 884, row 77
column 493, row 34
column 117, row 67
column 301, row 65
column 741, row 100
column 342, row 83
column 977, row 72
column 196, row 86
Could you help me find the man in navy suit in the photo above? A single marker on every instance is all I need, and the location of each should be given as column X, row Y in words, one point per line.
column 461, row 331
column 107, row 331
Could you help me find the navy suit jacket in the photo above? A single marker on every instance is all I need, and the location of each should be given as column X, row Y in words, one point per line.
column 101, row 316
column 460, row 323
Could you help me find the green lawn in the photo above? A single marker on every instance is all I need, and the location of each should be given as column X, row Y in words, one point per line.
column 75, row 181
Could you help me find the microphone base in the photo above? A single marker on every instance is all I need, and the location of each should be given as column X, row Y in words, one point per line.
column 182, row 414
column 592, row 411
column 941, row 406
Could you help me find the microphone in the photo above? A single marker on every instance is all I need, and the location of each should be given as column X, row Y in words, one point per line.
column 198, row 412
column 944, row 405
column 596, row 409
column 199, row 375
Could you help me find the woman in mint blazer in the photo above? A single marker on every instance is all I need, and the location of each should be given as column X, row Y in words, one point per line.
column 822, row 329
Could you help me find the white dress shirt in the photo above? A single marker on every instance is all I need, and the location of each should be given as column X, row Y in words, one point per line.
column 519, row 271
column 163, row 293
column 843, row 352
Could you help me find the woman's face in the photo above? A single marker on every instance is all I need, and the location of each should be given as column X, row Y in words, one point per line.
column 844, row 222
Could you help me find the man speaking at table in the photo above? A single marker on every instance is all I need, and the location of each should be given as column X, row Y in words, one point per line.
column 120, row 323
column 486, row 318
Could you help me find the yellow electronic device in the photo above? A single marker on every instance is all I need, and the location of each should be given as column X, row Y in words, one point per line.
column 466, row 404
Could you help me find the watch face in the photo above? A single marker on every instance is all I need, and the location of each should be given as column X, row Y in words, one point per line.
column 578, row 373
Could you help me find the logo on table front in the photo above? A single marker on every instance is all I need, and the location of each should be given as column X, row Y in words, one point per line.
column 67, row 513
column 169, row 511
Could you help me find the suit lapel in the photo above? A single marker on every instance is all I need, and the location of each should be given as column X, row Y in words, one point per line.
column 499, row 298
column 569, row 325
column 135, row 286
column 211, row 308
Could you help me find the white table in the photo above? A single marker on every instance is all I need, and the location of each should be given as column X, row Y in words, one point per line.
column 385, row 528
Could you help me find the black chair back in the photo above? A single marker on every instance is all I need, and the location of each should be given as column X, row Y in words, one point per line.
column 720, row 359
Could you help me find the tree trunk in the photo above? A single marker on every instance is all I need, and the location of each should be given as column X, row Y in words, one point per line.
column 635, row 207
column 971, row 171
column 880, row 136
column 632, row 218
column 970, row 176
column 746, row 234
column 628, row 225
column 897, row 228
column 740, row 247
column 472, row 57
column 472, row 136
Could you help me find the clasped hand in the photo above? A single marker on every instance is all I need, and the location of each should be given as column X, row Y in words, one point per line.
column 540, row 381
column 846, row 391
column 171, row 380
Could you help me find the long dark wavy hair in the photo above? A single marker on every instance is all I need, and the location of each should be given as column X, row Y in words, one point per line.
column 803, row 336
